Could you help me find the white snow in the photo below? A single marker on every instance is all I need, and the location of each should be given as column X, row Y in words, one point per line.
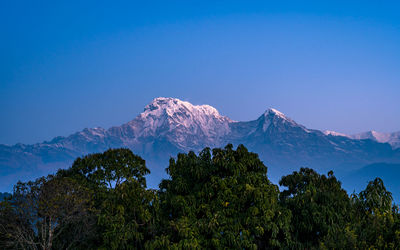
column 276, row 112
column 165, row 115
column 272, row 116
column 391, row 138
column 334, row 133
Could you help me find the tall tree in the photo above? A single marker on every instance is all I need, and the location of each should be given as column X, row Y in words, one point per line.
column 122, row 201
column 220, row 200
column 321, row 210
column 377, row 220
column 40, row 211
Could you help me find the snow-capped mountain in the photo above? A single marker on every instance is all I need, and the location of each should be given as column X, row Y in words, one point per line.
column 334, row 133
column 186, row 126
column 391, row 138
column 168, row 126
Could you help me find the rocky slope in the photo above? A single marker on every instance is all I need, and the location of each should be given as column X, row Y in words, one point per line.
column 168, row 126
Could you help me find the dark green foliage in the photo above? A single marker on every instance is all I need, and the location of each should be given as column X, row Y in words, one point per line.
column 39, row 212
column 221, row 201
column 375, row 198
column 218, row 199
column 122, row 203
column 320, row 209
column 107, row 170
column 376, row 221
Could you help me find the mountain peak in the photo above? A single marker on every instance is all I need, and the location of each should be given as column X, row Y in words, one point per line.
column 169, row 106
column 274, row 117
column 172, row 116
column 275, row 112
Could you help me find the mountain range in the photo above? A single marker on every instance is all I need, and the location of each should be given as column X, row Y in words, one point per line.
column 168, row 126
column 392, row 138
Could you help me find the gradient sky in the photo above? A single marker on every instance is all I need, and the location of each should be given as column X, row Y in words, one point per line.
column 326, row 64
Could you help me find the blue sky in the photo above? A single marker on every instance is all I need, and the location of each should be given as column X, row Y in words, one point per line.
column 69, row 65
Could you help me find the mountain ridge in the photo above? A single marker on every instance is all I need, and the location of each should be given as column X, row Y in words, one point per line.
column 392, row 138
column 168, row 126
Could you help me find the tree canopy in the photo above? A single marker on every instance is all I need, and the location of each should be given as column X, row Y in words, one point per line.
column 220, row 198
column 321, row 210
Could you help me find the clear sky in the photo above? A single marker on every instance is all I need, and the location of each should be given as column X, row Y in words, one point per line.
column 326, row 64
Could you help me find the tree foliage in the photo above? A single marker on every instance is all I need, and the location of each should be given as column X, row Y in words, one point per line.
column 121, row 199
column 39, row 212
column 221, row 200
column 320, row 208
column 217, row 199
column 376, row 220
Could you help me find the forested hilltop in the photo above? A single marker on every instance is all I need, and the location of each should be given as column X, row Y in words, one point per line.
column 217, row 199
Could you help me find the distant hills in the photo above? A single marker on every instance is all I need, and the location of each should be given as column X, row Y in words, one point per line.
column 168, row 126
column 389, row 173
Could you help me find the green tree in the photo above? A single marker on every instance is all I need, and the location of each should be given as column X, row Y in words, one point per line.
column 321, row 210
column 376, row 219
column 122, row 202
column 220, row 201
column 40, row 211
